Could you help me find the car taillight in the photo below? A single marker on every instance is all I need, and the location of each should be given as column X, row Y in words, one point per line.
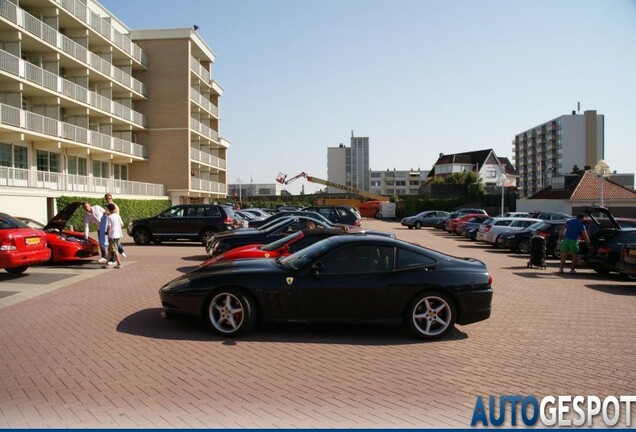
column 544, row 234
column 228, row 221
column 489, row 280
column 8, row 245
column 604, row 250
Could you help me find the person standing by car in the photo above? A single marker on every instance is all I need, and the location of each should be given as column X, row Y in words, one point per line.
column 569, row 234
column 109, row 200
column 114, row 226
column 93, row 215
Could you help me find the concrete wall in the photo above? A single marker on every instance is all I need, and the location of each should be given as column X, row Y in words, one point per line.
column 22, row 204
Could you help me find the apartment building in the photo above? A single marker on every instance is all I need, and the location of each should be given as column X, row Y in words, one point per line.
column 349, row 165
column 247, row 191
column 397, row 182
column 85, row 109
column 553, row 148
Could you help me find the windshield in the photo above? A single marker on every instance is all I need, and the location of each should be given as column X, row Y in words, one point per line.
column 304, row 256
column 281, row 242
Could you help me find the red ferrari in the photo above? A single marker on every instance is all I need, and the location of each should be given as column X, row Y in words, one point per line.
column 65, row 245
column 20, row 245
column 282, row 247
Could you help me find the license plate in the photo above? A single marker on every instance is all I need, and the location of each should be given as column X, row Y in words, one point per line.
column 32, row 241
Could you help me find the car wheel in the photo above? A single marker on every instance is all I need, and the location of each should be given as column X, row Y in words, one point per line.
column 524, row 246
column 430, row 316
column 601, row 271
column 142, row 236
column 230, row 312
column 17, row 270
column 418, row 225
column 206, row 235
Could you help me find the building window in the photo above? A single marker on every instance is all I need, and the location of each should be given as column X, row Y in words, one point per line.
column 120, row 172
column 48, row 161
column 13, row 156
column 77, row 165
column 492, row 174
column 100, row 169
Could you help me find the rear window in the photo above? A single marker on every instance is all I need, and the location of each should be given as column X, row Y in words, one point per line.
column 7, row 222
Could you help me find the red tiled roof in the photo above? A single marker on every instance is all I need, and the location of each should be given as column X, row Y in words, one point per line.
column 588, row 187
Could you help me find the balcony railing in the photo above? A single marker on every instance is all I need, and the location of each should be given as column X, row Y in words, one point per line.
column 101, row 26
column 204, row 102
column 208, row 186
column 46, row 33
column 204, row 130
column 200, row 71
column 18, row 177
column 206, row 158
column 28, row 71
column 29, row 121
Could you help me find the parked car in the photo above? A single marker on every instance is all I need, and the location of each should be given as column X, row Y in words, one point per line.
column 519, row 241
column 258, row 212
column 427, row 218
column 473, row 222
column 224, row 242
column 489, row 233
column 286, row 208
column 195, row 222
column 549, row 215
column 286, row 245
column 606, row 242
column 273, row 219
column 65, row 244
column 338, row 214
column 340, row 279
column 20, row 245
column 627, row 263
column 451, row 226
column 458, row 213
column 514, row 214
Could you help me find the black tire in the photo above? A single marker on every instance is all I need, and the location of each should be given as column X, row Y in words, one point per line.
column 430, row 315
column 16, row 270
column 418, row 225
column 524, row 246
column 205, row 235
column 142, row 236
column 601, row 271
column 230, row 312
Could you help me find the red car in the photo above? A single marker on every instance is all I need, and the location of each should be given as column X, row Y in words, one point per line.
column 452, row 224
column 282, row 247
column 65, row 245
column 20, row 245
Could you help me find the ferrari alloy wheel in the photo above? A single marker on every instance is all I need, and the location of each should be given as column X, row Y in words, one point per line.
column 430, row 315
column 231, row 313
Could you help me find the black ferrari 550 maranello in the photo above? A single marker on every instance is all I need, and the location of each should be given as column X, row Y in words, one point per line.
column 339, row 279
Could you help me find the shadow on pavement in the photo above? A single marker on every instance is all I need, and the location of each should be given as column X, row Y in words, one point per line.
column 628, row 290
column 149, row 323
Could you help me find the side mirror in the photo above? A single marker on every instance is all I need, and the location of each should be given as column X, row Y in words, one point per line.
column 318, row 267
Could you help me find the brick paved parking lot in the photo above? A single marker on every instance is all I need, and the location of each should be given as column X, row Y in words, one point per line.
column 86, row 347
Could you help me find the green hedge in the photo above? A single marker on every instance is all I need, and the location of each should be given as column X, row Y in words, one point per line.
column 128, row 209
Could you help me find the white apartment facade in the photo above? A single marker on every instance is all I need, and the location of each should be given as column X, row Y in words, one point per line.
column 553, row 148
column 75, row 118
column 349, row 165
column 397, row 182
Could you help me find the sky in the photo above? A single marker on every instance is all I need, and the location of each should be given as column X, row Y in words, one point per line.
column 417, row 77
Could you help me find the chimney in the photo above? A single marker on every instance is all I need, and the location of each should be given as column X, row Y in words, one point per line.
column 587, row 168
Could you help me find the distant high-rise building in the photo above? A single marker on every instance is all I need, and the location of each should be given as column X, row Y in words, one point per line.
column 555, row 147
column 349, row 165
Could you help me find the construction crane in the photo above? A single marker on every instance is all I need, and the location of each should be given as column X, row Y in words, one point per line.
column 282, row 179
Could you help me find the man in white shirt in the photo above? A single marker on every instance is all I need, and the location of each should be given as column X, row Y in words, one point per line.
column 93, row 215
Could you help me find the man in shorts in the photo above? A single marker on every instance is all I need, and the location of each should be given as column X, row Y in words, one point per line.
column 114, row 229
column 569, row 234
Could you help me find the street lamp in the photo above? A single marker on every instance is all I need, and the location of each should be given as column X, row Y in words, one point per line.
column 503, row 181
column 602, row 169
column 239, row 180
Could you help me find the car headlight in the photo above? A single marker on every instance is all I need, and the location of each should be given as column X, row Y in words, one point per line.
column 179, row 284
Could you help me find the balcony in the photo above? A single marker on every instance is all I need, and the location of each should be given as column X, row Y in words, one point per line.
column 200, row 71
column 208, row 186
column 17, row 177
column 101, row 26
column 204, row 103
column 38, row 126
column 45, row 33
column 27, row 71
column 206, row 158
column 204, row 130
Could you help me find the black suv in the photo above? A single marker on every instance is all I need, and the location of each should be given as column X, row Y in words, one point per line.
column 340, row 214
column 194, row 222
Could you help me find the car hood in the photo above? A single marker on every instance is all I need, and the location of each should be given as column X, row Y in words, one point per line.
column 231, row 268
column 60, row 220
